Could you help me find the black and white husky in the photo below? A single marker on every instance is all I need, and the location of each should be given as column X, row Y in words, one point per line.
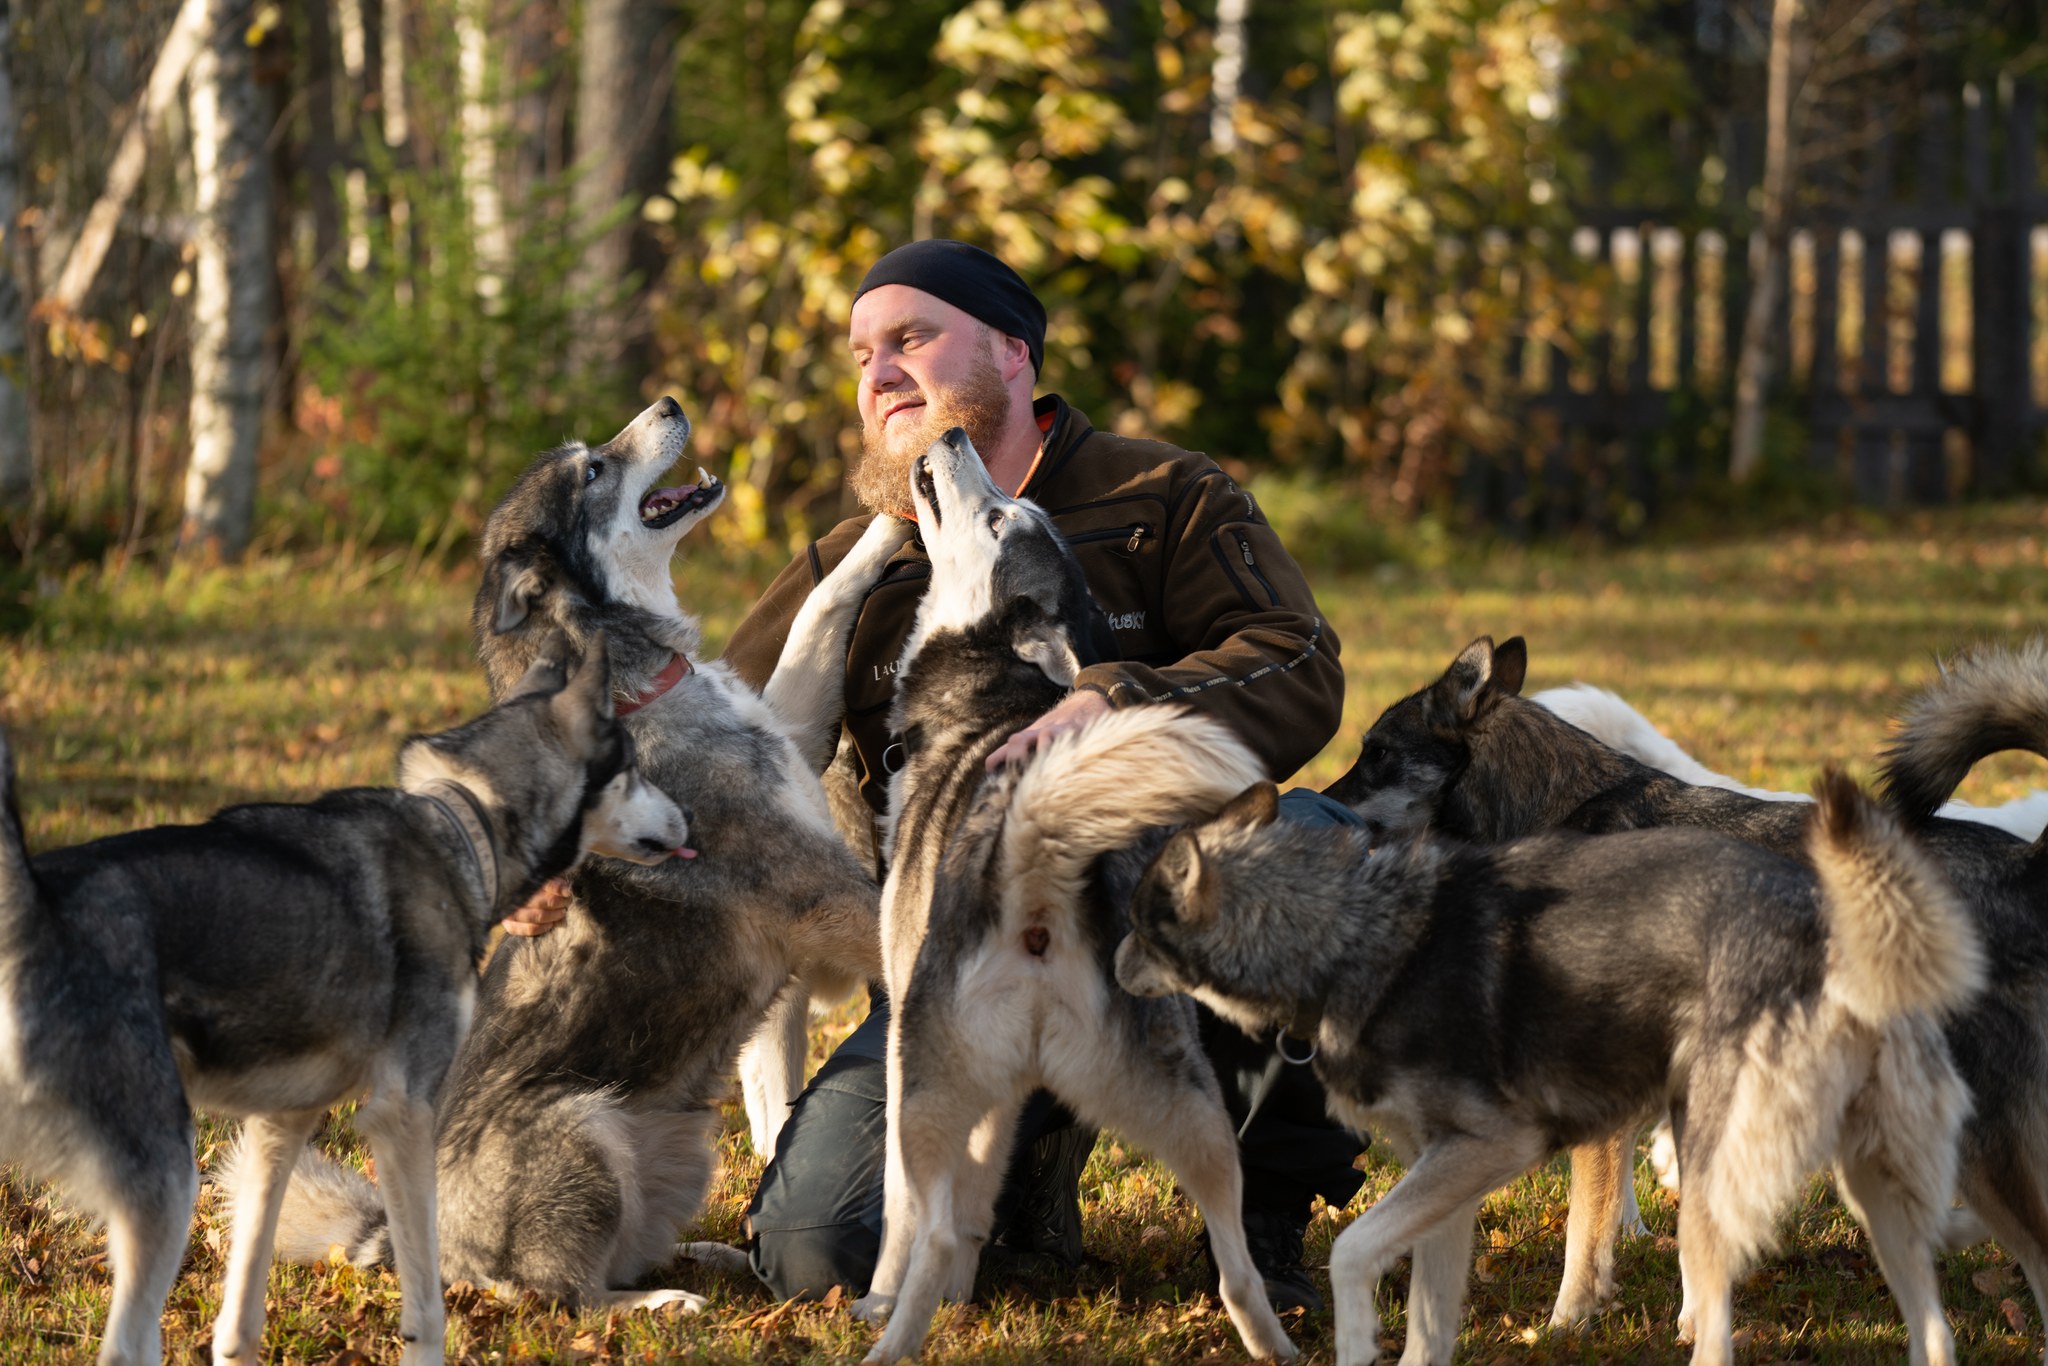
column 577, row 1136
column 1483, row 1007
column 280, row 958
column 1469, row 756
column 1000, row 915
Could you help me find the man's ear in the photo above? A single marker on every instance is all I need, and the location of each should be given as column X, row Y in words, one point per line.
column 1180, row 876
column 521, row 583
column 1046, row 645
column 1256, row 806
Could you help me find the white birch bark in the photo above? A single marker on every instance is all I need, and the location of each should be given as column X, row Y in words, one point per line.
column 1228, row 79
column 231, row 303
column 480, row 151
column 17, row 466
column 87, row 253
column 1753, row 361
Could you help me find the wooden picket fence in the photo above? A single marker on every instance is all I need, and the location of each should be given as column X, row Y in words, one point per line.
column 1908, row 339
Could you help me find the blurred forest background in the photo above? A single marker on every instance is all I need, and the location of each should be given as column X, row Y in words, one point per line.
column 329, row 271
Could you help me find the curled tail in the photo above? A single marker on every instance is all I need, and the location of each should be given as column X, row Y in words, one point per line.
column 1990, row 700
column 1099, row 787
column 331, row 1213
column 1899, row 939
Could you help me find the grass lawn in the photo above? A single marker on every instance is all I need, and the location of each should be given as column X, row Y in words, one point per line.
column 147, row 698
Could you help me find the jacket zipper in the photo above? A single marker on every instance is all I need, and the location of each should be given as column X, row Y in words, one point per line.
column 1134, row 535
column 1245, row 547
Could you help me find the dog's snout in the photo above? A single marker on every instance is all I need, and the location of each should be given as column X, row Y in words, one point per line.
column 667, row 407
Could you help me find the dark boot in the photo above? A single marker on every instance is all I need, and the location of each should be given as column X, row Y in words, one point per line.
column 1038, row 1223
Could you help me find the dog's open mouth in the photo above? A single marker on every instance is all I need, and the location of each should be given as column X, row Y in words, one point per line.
column 926, row 486
column 663, row 507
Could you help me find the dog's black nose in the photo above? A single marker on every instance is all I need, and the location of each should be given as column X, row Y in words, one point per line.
column 669, row 407
column 956, row 437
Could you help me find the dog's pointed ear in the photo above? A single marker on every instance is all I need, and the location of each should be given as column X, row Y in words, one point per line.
column 1180, row 876
column 592, row 681
column 1468, row 688
column 1046, row 646
column 1256, row 806
column 522, row 577
column 1510, row 667
column 544, row 676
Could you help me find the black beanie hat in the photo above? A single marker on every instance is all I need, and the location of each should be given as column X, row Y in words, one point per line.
column 972, row 281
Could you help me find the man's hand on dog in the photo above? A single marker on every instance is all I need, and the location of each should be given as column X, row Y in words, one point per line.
column 1074, row 711
column 543, row 911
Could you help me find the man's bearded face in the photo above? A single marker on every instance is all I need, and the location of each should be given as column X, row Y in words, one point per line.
column 976, row 401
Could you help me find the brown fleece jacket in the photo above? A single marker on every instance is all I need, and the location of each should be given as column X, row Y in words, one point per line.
column 1207, row 607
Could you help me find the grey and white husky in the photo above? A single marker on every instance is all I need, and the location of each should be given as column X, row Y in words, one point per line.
column 277, row 959
column 998, row 920
column 1469, row 756
column 577, row 1134
column 1469, row 1004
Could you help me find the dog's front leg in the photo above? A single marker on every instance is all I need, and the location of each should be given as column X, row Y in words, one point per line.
column 1449, row 1177
column 1442, row 1264
column 270, row 1149
column 1599, row 1170
column 772, row 1065
column 899, row 1213
column 807, row 691
column 400, row 1128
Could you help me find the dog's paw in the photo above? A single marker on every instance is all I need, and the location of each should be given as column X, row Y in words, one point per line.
column 682, row 1300
column 872, row 1308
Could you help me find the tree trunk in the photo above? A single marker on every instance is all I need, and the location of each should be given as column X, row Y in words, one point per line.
column 322, row 159
column 231, row 301
column 625, row 75
column 1228, row 81
column 1753, row 363
column 180, row 49
column 17, row 467
column 480, row 132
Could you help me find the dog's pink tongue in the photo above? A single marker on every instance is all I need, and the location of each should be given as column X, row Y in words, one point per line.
column 684, row 851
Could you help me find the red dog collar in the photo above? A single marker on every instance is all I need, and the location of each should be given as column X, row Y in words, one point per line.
column 663, row 681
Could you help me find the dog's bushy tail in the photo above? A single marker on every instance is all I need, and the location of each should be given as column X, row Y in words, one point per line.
column 1899, row 939
column 331, row 1213
column 1098, row 788
column 17, row 881
column 1989, row 700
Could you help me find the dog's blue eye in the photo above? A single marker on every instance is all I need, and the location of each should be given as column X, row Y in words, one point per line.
column 591, row 471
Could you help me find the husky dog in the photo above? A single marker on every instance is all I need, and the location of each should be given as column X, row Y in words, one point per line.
column 1614, row 723
column 1467, row 1004
column 998, row 923
column 277, row 959
column 1469, row 756
column 576, row 1137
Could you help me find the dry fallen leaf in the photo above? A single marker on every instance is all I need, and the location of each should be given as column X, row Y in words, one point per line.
column 1992, row 1279
column 833, row 1297
column 2009, row 1310
column 1485, row 1269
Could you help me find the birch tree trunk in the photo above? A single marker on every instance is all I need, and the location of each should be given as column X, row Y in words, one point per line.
column 17, row 467
column 480, row 151
column 231, row 300
column 1753, row 362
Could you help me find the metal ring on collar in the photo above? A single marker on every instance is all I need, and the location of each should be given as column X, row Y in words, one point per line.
column 1280, row 1043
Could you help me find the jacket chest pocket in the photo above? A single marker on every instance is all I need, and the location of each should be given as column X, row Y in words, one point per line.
column 1122, row 563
